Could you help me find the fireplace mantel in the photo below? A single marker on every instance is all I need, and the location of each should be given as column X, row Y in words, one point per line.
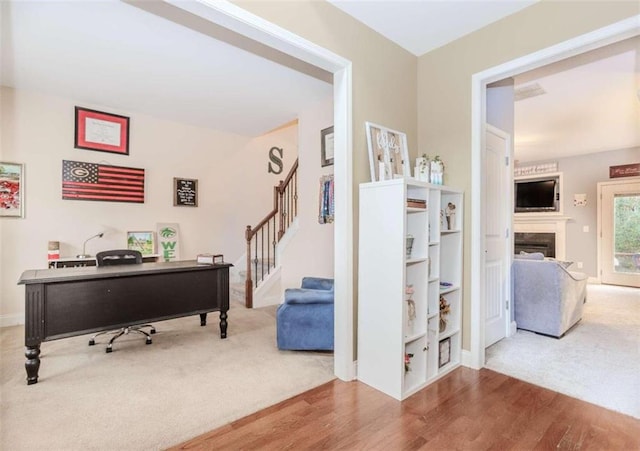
column 541, row 223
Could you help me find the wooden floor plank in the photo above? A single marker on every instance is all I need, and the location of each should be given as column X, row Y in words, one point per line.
column 467, row 409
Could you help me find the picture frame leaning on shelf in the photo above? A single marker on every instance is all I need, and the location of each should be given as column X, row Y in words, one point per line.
column 388, row 153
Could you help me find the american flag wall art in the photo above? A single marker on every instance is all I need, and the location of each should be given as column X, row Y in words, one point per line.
column 100, row 182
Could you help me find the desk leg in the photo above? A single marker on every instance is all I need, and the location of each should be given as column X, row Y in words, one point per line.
column 223, row 324
column 203, row 319
column 32, row 365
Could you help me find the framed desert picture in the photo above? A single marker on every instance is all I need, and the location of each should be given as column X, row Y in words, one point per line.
column 142, row 241
column 11, row 190
column 388, row 153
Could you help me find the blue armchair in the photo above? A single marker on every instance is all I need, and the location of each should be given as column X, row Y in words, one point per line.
column 305, row 320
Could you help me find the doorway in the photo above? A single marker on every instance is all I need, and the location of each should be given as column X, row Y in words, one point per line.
column 255, row 29
column 581, row 44
column 618, row 236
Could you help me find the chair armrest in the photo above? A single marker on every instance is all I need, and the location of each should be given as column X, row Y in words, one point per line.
column 317, row 283
column 307, row 296
column 577, row 276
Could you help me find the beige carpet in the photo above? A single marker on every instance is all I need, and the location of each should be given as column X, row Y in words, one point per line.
column 597, row 361
column 140, row 397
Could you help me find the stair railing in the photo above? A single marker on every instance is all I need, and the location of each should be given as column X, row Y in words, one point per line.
column 263, row 238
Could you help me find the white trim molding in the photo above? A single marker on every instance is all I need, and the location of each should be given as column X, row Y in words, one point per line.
column 599, row 38
column 16, row 319
column 246, row 24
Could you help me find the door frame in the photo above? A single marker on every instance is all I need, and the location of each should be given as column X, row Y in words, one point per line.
column 621, row 181
column 599, row 38
column 243, row 22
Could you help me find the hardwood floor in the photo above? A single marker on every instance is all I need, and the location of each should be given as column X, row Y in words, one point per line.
column 467, row 409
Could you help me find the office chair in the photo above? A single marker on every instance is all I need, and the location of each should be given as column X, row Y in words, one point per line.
column 121, row 257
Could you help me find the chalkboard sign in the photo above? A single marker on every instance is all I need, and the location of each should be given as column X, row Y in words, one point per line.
column 185, row 192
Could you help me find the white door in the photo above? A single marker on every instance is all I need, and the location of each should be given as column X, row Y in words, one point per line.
column 497, row 223
column 619, row 237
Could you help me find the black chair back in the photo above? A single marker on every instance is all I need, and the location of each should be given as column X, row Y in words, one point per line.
column 118, row 257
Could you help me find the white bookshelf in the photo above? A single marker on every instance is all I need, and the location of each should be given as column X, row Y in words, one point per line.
column 385, row 332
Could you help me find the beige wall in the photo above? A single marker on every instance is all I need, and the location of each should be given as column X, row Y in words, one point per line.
column 235, row 189
column 384, row 77
column 444, row 83
column 385, row 87
column 302, row 256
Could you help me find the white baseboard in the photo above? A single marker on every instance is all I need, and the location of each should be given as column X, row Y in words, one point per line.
column 513, row 329
column 269, row 292
column 12, row 320
column 465, row 358
column 352, row 372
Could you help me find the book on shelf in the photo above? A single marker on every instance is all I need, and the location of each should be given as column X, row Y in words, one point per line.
column 416, row 203
column 209, row 259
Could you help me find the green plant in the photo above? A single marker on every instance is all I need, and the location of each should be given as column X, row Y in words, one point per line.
column 627, row 224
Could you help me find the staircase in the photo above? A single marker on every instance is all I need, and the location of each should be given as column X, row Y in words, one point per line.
column 261, row 257
column 238, row 278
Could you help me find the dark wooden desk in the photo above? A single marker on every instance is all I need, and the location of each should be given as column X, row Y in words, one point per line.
column 65, row 302
column 74, row 262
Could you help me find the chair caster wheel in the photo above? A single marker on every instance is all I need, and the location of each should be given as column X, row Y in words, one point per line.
column 109, row 350
column 149, row 341
column 153, row 331
column 92, row 342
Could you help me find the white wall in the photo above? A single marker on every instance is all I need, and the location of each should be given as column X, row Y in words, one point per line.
column 234, row 187
column 311, row 252
column 581, row 175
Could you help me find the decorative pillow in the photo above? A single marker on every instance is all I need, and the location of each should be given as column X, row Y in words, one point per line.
column 530, row 256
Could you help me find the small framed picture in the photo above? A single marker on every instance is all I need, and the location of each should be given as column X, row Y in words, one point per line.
column 104, row 132
column 11, row 190
column 145, row 242
column 326, row 146
column 444, row 352
column 185, row 192
column 388, row 153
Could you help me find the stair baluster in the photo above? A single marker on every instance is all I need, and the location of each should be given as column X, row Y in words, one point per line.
column 285, row 209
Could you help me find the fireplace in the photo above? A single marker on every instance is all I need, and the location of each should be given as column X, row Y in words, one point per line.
column 535, row 242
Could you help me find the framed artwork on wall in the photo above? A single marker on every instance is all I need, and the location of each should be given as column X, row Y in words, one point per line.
column 145, row 242
column 388, row 153
column 11, row 190
column 104, row 132
column 326, row 146
column 101, row 182
column 185, row 192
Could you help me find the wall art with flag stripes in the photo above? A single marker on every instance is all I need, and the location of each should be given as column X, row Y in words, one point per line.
column 101, row 182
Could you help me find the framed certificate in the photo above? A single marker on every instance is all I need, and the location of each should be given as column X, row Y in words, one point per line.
column 104, row 132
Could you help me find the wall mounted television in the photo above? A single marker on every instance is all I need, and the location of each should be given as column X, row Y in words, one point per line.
column 537, row 195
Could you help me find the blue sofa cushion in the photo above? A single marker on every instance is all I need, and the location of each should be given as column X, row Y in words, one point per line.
column 307, row 296
column 317, row 283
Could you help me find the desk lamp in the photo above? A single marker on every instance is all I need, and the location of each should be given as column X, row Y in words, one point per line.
column 84, row 245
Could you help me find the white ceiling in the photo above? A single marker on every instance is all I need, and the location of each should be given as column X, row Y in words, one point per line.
column 112, row 54
column 420, row 26
column 591, row 105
